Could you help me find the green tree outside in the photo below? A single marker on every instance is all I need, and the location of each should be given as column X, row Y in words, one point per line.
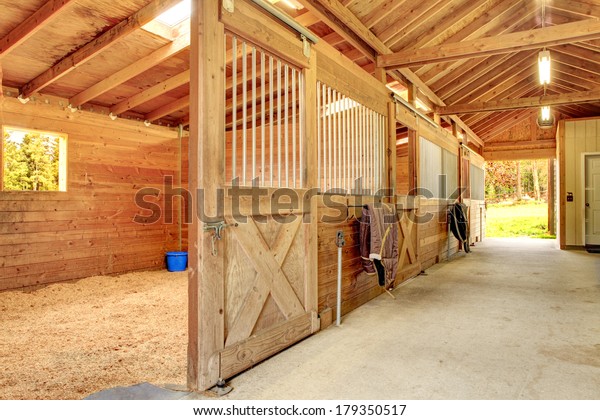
column 31, row 164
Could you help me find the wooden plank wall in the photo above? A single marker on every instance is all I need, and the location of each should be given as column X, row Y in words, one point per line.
column 402, row 173
column 357, row 287
column 88, row 230
column 433, row 233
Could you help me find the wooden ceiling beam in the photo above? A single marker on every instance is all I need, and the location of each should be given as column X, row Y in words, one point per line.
column 131, row 71
column 30, row 26
column 151, row 93
column 501, row 44
column 169, row 108
column 412, row 11
column 519, row 103
column 97, row 45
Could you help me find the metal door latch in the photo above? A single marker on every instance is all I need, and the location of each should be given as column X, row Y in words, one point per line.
column 218, row 233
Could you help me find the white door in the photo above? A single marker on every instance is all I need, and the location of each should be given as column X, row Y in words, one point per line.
column 592, row 200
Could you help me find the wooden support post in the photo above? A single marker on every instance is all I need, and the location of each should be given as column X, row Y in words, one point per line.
column 311, row 181
column 391, row 160
column 381, row 75
column 413, row 92
column 551, row 197
column 206, row 174
column 437, row 119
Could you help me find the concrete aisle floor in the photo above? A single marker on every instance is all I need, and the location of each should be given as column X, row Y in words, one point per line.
column 516, row 319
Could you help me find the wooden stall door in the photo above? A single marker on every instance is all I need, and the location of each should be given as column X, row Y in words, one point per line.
column 269, row 289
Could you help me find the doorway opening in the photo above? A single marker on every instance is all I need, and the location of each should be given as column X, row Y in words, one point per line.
column 519, row 198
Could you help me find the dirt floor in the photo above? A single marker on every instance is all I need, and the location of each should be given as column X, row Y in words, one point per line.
column 69, row 340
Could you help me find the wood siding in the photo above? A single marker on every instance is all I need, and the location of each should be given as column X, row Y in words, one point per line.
column 580, row 137
column 89, row 229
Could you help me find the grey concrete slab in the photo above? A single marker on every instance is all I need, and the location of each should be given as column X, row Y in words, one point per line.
column 515, row 319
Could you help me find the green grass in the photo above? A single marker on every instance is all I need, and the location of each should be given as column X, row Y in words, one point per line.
column 514, row 220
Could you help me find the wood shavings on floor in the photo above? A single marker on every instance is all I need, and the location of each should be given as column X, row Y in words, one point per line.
column 69, row 340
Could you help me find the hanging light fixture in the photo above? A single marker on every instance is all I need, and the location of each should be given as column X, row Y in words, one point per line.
column 544, row 67
column 545, row 113
column 545, row 119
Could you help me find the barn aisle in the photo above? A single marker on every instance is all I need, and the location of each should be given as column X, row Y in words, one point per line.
column 516, row 319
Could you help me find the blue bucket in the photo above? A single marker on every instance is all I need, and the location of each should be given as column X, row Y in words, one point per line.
column 177, row 261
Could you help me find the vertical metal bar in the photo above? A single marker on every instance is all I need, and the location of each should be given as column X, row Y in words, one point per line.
column 334, row 116
column 225, row 40
column 344, row 142
column 244, row 111
column 353, row 162
column 294, row 155
column 278, row 123
column 271, row 125
column 301, row 111
column 338, row 117
column 319, row 137
column 325, row 136
column 329, row 136
column 234, row 114
column 286, row 124
column 253, row 114
column 262, row 118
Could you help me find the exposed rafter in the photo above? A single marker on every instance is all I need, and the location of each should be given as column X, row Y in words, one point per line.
column 97, row 45
column 151, row 93
column 32, row 24
column 501, row 44
column 131, row 71
column 549, row 100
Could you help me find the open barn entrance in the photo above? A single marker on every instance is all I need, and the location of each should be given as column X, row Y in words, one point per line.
column 519, row 197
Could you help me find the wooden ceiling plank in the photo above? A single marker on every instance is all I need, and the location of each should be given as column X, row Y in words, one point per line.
column 576, row 72
column 169, row 108
column 575, row 62
column 495, row 128
column 151, row 93
column 519, row 17
column 30, row 26
column 548, row 100
column 516, row 41
column 488, row 80
column 381, row 11
column 97, row 45
column 400, row 20
column 584, row 9
column 451, row 20
column 131, row 71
